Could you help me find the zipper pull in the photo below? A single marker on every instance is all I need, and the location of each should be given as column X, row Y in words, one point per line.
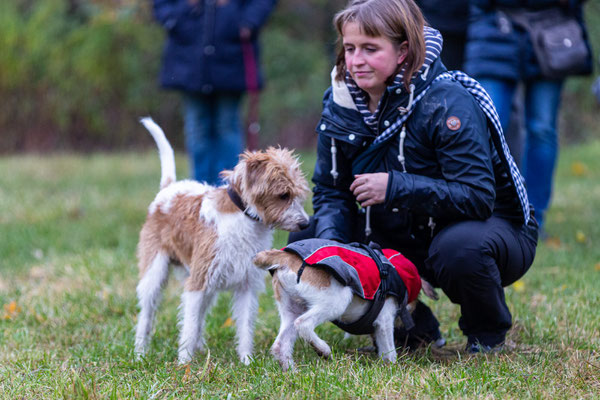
column 431, row 225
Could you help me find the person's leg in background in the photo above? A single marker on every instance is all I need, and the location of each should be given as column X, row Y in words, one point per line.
column 542, row 101
column 229, row 140
column 198, row 121
column 515, row 134
column 502, row 93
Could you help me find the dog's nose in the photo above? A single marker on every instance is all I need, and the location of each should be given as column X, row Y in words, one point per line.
column 304, row 224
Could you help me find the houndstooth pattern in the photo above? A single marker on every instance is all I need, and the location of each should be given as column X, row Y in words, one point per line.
column 485, row 102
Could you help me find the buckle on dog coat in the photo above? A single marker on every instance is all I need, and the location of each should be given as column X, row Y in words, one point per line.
column 371, row 273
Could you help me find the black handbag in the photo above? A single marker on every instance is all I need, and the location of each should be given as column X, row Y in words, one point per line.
column 558, row 41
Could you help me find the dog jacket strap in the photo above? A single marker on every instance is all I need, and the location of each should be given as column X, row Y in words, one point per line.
column 301, row 270
column 364, row 325
column 404, row 315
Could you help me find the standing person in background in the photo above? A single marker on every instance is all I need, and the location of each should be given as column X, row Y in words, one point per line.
column 204, row 59
column 500, row 55
column 451, row 18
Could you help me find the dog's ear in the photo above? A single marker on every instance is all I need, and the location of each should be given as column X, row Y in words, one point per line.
column 226, row 175
column 429, row 290
column 267, row 258
column 256, row 165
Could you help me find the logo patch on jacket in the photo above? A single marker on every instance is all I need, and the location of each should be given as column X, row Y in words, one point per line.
column 453, row 123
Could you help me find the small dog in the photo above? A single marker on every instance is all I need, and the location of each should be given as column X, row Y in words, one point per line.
column 214, row 233
column 317, row 297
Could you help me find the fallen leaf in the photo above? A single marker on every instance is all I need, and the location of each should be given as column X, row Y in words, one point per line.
column 519, row 286
column 597, row 266
column 228, row 322
column 187, row 373
column 578, row 168
column 553, row 243
column 11, row 310
column 580, row 237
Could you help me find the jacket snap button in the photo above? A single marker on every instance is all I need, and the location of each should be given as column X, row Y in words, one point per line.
column 351, row 137
column 386, row 122
column 398, row 91
column 395, row 210
column 208, row 50
column 323, row 127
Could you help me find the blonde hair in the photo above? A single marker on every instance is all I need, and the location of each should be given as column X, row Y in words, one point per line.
column 396, row 20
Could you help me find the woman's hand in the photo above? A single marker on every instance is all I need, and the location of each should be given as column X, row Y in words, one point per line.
column 369, row 189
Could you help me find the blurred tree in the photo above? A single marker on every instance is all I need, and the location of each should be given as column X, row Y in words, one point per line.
column 77, row 75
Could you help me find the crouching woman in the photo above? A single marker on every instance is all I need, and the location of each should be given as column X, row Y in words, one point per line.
column 420, row 149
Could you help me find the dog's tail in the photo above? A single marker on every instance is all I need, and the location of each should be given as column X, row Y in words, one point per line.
column 165, row 151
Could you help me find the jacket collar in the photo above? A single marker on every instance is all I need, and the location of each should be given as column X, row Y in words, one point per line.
column 428, row 71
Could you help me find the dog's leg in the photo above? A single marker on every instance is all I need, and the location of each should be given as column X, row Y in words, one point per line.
column 328, row 307
column 283, row 347
column 194, row 307
column 244, row 309
column 384, row 330
column 148, row 293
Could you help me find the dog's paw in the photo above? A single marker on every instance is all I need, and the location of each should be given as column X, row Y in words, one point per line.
column 184, row 357
column 323, row 350
column 267, row 258
column 246, row 359
column 286, row 364
column 390, row 357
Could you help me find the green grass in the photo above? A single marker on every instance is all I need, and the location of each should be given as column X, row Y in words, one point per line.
column 68, row 231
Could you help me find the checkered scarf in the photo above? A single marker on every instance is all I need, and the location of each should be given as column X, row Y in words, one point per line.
column 433, row 40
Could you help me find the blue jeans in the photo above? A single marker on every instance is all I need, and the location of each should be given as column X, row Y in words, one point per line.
column 542, row 100
column 213, row 135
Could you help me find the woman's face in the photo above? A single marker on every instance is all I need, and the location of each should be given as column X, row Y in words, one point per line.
column 370, row 60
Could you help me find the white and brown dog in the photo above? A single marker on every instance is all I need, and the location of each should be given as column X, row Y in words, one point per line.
column 214, row 233
column 307, row 297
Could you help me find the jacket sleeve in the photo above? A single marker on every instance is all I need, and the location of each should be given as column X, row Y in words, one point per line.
column 334, row 205
column 465, row 185
column 256, row 13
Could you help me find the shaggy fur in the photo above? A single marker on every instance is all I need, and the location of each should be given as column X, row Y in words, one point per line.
column 197, row 226
column 318, row 298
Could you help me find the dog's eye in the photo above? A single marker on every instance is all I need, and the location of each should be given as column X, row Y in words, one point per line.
column 285, row 196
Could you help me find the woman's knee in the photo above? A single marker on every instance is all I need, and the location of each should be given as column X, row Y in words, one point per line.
column 457, row 253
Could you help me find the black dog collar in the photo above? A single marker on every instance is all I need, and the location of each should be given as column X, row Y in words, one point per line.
column 237, row 200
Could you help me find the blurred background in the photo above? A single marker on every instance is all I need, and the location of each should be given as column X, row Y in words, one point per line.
column 75, row 75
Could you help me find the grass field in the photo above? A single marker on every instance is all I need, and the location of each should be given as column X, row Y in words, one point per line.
column 68, row 231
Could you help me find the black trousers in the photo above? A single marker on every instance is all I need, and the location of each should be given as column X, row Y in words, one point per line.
column 472, row 262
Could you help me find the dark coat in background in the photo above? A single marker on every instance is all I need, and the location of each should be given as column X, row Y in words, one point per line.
column 203, row 53
column 447, row 16
column 497, row 48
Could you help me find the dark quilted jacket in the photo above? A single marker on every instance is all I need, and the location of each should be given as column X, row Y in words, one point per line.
column 203, row 52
